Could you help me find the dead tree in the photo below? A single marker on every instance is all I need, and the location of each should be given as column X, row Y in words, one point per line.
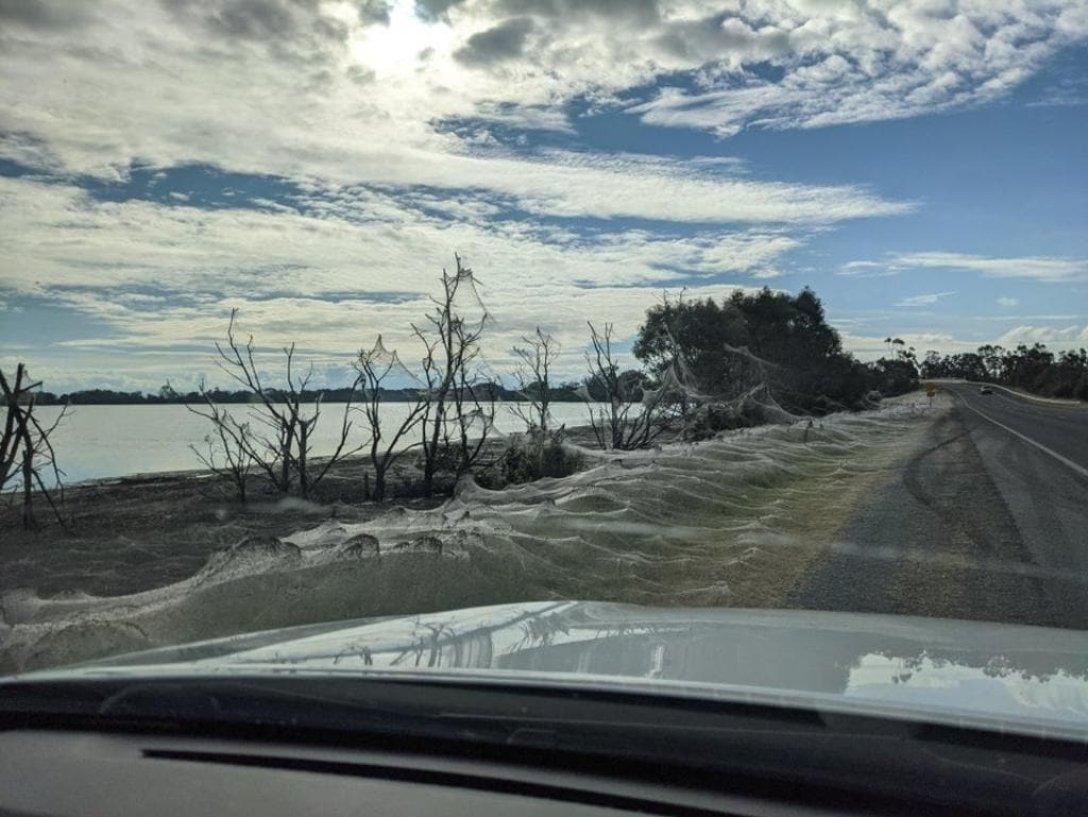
column 234, row 441
column 375, row 367
column 534, row 379
column 26, row 450
column 473, row 407
column 282, row 452
column 454, row 409
column 633, row 414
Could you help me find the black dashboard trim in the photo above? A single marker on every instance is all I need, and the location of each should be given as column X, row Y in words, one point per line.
column 434, row 777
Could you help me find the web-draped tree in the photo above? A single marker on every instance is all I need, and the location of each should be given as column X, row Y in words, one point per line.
column 380, row 368
column 459, row 409
column 775, row 339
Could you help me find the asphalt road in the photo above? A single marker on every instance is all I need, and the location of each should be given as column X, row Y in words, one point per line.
column 988, row 520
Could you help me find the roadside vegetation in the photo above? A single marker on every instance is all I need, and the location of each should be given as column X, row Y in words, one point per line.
column 696, row 368
column 699, row 367
column 704, row 367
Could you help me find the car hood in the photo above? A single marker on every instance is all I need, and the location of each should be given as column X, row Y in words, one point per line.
column 1025, row 677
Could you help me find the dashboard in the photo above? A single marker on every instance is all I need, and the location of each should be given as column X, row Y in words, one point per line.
column 290, row 746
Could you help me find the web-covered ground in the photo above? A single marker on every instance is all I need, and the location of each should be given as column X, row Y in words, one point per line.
column 732, row 521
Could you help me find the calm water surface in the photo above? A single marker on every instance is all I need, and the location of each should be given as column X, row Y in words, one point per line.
column 112, row 441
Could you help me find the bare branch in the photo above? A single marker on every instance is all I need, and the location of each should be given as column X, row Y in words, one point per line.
column 533, row 378
column 454, row 410
column 26, row 449
column 632, row 416
column 283, row 454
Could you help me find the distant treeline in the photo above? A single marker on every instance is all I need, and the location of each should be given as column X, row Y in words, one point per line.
column 167, row 395
column 776, row 339
column 1035, row 369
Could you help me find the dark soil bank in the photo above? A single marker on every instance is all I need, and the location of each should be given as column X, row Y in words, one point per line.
column 137, row 533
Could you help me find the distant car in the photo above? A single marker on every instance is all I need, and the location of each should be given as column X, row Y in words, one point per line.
column 985, row 390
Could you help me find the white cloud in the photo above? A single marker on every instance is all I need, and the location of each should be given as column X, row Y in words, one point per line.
column 1051, row 269
column 351, row 240
column 176, row 341
column 1059, row 337
column 924, row 300
column 1008, row 302
column 280, row 92
column 158, row 277
column 872, row 347
column 867, row 269
column 1042, row 317
column 850, row 267
column 846, row 62
column 1054, row 270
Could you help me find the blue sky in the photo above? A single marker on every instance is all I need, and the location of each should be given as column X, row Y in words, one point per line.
column 920, row 165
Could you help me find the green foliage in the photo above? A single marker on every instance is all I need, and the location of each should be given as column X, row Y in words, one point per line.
column 773, row 338
column 1032, row 368
column 898, row 374
column 531, row 457
column 703, row 333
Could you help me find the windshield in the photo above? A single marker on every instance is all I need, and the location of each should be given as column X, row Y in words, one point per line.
column 316, row 311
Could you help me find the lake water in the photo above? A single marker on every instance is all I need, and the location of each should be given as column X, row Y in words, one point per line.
column 112, row 441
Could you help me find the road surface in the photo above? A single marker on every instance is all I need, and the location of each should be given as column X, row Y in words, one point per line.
column 988, row 520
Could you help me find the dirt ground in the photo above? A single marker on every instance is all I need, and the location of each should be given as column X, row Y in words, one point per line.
column 140, row 532
column 739, row 524
column 136, row 533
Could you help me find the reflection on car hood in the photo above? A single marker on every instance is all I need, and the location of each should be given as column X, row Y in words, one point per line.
column 943, row 669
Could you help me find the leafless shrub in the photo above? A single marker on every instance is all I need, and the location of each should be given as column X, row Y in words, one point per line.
column 634, row 415
column 233, row 442
column 458, row 411
column 375, row 368
column 26, row 451
column 282, row 450
column 533, row 377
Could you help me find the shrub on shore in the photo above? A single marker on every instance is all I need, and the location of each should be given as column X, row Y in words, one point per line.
column 532, row 456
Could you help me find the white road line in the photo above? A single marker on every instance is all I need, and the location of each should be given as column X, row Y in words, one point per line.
column 1064, row 460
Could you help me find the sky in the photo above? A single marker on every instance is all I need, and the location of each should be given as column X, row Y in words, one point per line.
column 920, row 164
